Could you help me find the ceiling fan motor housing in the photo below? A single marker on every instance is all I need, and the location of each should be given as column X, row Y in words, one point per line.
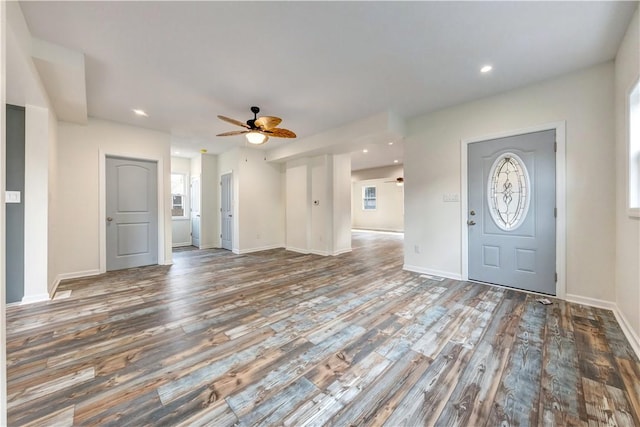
column 252, row 122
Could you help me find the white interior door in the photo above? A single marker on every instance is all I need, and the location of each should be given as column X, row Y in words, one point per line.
column 132, row 213
column 226, row 211
column 195, row 211
column 512, row 215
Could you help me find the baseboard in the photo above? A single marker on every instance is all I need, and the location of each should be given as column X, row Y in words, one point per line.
column 298, row 250
column 592, row 302
column 378, row 231
column 181, row 245
column 445, row 274
column 209, row 246
column 77, row 274
column 342, row 251
column 30, row 299
column 259, row 249
column 627, row 330
column 73, row 275
column 54, row 288
column 321, row 253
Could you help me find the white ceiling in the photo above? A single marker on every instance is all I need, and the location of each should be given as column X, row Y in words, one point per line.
column 318, row 65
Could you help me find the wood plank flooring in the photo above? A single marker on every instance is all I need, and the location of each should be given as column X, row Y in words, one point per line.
column 280, row 338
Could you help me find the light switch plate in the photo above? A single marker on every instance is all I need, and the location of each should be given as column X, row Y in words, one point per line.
column 451, row 197
column 12, row 197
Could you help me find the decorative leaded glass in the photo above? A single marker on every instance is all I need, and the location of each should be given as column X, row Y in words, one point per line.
column 508, row 191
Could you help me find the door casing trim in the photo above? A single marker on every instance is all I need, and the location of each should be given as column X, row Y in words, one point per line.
column 561, row 202
column 102, row 216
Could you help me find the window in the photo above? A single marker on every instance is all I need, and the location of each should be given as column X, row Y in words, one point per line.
column 508, row 191
column 178, row 195
column 634, row 151
column 369, row 198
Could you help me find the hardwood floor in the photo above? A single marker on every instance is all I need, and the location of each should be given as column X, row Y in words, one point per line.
column 279, row 338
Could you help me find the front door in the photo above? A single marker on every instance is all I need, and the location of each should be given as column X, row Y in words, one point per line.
column 226, row 210
column 511, row 218
column 132, row 213
column 195, row 211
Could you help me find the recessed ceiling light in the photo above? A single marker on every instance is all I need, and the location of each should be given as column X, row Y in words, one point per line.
column 140, row 112
column 365, row 151
column 391, row 143
column 395, row 161
column 486, row 69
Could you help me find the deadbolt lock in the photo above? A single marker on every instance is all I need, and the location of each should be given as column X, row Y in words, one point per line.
column 472, row 213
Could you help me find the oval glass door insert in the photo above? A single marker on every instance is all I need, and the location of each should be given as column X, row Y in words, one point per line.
column 508, row 191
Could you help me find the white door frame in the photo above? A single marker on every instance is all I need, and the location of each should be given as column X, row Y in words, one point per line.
column 102, row 216
column 561, row 202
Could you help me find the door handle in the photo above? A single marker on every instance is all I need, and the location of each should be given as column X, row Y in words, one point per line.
column 471, row 222
column 109, row 219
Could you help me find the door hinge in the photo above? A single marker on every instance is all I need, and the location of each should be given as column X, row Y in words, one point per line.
column 556, row 277
column 555, row 147
column 555, row 212
column 221, row 236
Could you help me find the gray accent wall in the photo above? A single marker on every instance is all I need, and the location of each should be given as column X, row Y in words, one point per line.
column 15, row 211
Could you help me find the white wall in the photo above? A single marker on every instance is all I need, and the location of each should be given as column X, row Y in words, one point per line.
column 387, row 172
column 318, row 204
column 298, row 206
column 53, row 204
column 181, row 227
column 25, row 88
column 81, row 149
column 341, row 214
column 260, row 202
column 432, row 167
column 389, row 212
column 627, row 72
column 321, row 209
column 36, row 202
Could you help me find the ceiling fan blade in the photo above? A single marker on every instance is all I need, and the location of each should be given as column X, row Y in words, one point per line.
column 268, row 122
column 233, row 121
column 233, row 132
column 281, row 133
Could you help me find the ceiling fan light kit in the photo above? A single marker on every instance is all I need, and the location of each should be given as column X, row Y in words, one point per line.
column 259, row 129
column 256, row 138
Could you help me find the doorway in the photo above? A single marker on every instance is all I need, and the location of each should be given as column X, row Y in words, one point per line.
column 14, row 208
column 226, row 211
column 511, row 212
column 131, row 219
column 195, row 211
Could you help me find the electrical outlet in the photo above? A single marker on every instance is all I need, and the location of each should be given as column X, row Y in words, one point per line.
column 451, row 197
column 416, row 249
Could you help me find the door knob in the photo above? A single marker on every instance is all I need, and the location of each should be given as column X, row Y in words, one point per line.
column 109, row 219
column 471, row 222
